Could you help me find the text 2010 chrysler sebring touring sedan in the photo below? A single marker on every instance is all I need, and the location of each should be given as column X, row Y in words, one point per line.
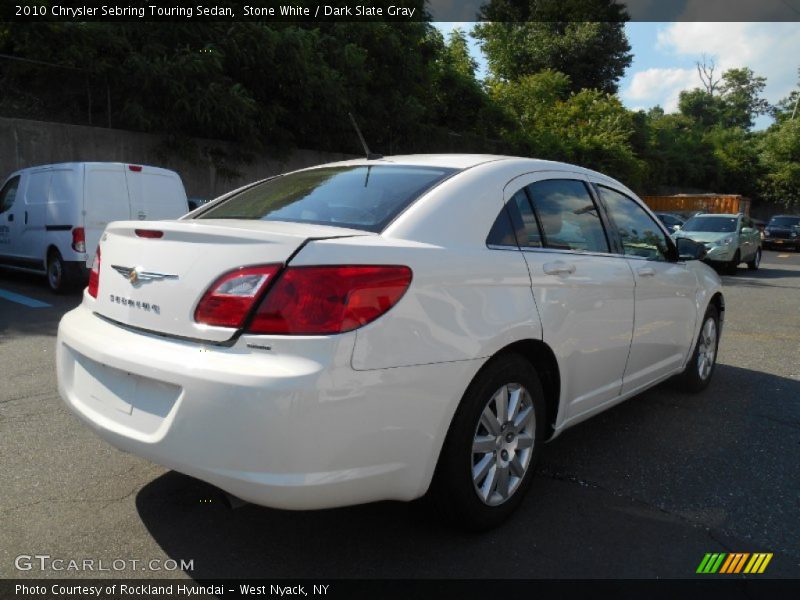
column 385, row 329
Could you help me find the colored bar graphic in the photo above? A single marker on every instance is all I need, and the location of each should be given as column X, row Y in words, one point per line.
column 740, row 564
column 733, row 563
column 765, row 563
column 717, row 564
column 711, row 563
column 703, row 564
column 732, row 558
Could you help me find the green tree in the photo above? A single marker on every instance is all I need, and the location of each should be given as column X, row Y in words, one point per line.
column 589, row 128
column 676, row 151
column 584, row 39
column 780, row 155
column 459, row 101
column 789, row 107
column 737, row 162
column 741, row 91
column 705, row 108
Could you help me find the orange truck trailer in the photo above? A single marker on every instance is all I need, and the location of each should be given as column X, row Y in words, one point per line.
column 707, row 203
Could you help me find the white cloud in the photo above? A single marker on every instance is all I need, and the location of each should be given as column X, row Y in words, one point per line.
column 659, row 86
column 771, row 50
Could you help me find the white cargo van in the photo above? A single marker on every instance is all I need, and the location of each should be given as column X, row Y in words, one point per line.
column 52, row 216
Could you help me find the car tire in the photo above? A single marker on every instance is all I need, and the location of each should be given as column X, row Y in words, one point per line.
column 61, row 275
column 756, row 262
column 700, row 368
column 484, row 469
column 733, row 266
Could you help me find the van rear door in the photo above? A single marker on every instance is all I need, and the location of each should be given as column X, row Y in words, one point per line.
column 155, row 193
column 105, row 199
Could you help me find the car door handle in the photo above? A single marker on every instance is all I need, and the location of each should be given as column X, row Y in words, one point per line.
column 26, row 217
column 558, row 268
column 646, row 272
column 10, row 217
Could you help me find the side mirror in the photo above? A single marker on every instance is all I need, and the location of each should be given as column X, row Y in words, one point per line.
column 747, row 230
column 676, row 227
column 690, row 249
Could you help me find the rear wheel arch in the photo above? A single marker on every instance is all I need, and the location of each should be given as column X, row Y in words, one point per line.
column 51, row 250
column 718, row 300
column 543, row 361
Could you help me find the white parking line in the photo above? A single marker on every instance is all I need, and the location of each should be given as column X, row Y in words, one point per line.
column 24, row 300
column 783, row 256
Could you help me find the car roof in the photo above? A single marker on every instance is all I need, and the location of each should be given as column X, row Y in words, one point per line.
column 466, row 161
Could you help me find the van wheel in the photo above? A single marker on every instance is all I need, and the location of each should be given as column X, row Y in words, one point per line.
column 61, row 276
column 488, row 458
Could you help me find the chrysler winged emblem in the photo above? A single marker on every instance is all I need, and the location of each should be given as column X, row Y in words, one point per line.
column 135, row 275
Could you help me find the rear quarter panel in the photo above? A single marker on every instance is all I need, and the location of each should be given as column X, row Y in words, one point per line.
column 465, row 301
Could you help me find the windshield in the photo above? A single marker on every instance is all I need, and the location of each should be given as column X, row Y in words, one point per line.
column 360, row 197
column 784, row 222
column 711, row 224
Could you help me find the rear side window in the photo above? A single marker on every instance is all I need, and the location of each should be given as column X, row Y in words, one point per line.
column 360, row 197
column 568, row 215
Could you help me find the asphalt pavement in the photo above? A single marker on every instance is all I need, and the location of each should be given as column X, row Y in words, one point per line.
column 644, row 490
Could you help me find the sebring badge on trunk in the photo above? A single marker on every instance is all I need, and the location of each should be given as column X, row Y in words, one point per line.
column 135, row 275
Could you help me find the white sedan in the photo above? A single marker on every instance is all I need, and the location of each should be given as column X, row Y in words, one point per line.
column 385, row 329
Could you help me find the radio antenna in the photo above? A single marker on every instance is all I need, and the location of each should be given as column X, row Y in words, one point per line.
column 367, row 153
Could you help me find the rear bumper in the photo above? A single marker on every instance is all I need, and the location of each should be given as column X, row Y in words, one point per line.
column 276, row 428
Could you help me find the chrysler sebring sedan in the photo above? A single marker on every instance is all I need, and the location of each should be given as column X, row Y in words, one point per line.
column 385, row 329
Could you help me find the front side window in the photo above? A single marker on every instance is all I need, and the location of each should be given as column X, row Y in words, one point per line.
column 639, row 233
column 360, row 197
column 568, row 215
column 8, row 194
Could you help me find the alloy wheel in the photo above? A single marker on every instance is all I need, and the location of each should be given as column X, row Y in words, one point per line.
column 707, row 349
column 502, row 445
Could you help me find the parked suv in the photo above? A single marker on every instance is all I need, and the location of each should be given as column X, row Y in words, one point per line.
column 730, row 239
column 783, row 231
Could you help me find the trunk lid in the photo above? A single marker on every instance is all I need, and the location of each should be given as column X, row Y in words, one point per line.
column 174, row 271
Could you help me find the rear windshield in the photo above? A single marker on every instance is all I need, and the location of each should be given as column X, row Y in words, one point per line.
column 711, row 224
column 360, row 197
column 784, row 221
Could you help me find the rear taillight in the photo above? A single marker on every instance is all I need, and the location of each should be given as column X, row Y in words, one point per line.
column 324, row 300
column 94, row 275
column 149, row 233
column 230, row 298
column 79, row 239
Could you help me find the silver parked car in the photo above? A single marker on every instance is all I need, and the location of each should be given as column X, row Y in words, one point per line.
column 729, row 239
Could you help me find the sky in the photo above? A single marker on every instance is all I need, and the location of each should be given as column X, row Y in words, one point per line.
column 664, row 57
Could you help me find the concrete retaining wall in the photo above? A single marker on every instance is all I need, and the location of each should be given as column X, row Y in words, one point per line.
column 25, row 143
